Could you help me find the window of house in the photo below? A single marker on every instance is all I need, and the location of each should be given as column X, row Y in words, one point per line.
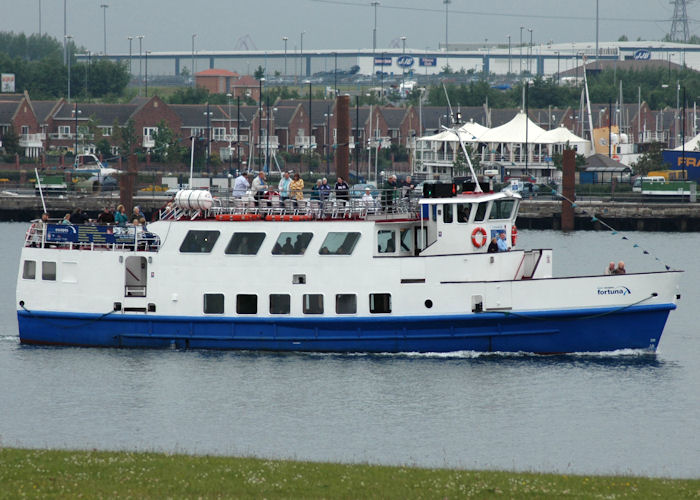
column 245, row 243
column 279, row 303
column 25, row 130
column 292, row 243
column 463, row 211
column 501, row 209
column 48, row 271
column 246, row 304
column 199, row 241
column 197, row 131
column 106, row 131
column 149, row 132
column 213, row 303
column 29, row 270
column 345, row 303
column 234, row 133
column 447, row 210
column 386, row 241
column 480, row 212
column 379, row 303
column 339, row 243
column 64, row 130
column 219, row 133
column 313, row 303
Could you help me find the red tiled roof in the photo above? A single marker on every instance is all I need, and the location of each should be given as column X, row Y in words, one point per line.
column 217, row 72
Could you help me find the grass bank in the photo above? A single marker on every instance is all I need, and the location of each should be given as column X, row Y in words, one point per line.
column 92, row 474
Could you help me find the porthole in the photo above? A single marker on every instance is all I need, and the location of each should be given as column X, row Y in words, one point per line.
column 428, row 303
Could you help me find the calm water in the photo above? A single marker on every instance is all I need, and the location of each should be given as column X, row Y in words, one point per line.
column 622, row 413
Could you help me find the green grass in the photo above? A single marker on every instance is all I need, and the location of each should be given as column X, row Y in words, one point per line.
column 93, row 474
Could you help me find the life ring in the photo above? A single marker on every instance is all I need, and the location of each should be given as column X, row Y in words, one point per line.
column 479, row 243
column 513, row 235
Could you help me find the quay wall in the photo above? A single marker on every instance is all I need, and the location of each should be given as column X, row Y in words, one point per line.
column 534, row 214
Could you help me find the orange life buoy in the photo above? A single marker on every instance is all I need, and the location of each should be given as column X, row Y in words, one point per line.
column 513, row 235
column 478, row 243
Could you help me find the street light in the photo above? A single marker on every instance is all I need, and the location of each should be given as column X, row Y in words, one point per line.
column 194, row 35
column 520, row 63
column 130, row 38
column 301, row 53
column 509, row 59
column 328, row 116
column 104, row 22
column 310, row 115
column 65, row 40
column 76, row 112
column 208, row 114
column 403, row 53
column 284, row 38
column 87, row 70
column 557, row 52
column 374, row 37
column 260, row 86
column 447, row 46
column 140, row 37
column 147, row 52
column 529, row 58
column 230, row 151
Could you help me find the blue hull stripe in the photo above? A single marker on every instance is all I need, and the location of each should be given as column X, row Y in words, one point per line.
column 580, row 330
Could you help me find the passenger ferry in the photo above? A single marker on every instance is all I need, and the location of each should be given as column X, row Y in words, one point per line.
column 413, row 275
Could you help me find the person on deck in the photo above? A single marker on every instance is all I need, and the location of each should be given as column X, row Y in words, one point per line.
column 105, row 217
column 120, row 217
column 620, row 268
column 610, row 269
column 284, row 186
column 493, row 246
column 389, row 193
column 502, row 242
column 342, row 190
column 240, row 185
column 259, row 185
column 324, row 189
column 296, row 188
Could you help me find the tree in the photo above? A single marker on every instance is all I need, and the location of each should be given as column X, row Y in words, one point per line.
column 651, row 160
column 126, row 137
column 166, row 148
column 10, row 143
column 189, row 95
column 259, row 73
column 558, row 158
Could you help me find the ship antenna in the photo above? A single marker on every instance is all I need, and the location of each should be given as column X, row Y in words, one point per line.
column 41, row 192
column 455, row 131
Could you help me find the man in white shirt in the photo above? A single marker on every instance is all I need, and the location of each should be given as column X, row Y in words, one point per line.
column 240, row 185
column 367, row 198
column 259, row 185
column 283, row 186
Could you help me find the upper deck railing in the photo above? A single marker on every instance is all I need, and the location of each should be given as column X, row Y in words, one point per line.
column 90, row 236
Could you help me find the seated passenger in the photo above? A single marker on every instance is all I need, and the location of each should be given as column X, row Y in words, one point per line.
column 493, row 246
column 502, row 243
column 288, row 248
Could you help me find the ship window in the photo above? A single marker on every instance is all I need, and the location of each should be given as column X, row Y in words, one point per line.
column 501, row 209
column 213, row 303
column 386, row 241
column 380, row 303
column 434, row 212
column 292, row 243
column 48, row 271
column 246, row 304
column 480, row 212
column 29, row 271
column 345, row 303
column 279, row 303
column 447, row 213
column 406, row 240
column 313, row 303
column 245, row 243
column 339, row 243
column 463, row 211
column 199, row 241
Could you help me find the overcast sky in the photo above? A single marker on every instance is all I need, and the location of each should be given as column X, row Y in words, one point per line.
column 339, row 24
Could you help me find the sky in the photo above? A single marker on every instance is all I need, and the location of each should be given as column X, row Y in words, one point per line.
column 335, row 24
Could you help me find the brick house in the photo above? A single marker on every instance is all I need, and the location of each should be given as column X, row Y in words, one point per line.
column 216, row 81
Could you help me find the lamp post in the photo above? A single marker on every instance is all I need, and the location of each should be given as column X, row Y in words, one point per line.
column 529, row 57
column 40, row 18
column 194, row 35
column 76, row 112
column 335, row 73
column 260, row 86
column 208, row 115
column 357, row 142
column 327, row 115
column 374, row 37
column 267, row 134
column 130, row 38
column 310, row 115
column 65, row 39
column 557, row 67
column 284, row 39
column 238, row 133
column 65, row 33
column 147, row 52
column 140, row 37
column 87, row 69
column 230, row 150
column 520, row 62
column 403, row 53
column 381, row 97
column 509, row 59
column 104, row 23
column 447, row 46
column 301, row 53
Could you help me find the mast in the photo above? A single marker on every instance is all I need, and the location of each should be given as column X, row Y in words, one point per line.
column 588, row 104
